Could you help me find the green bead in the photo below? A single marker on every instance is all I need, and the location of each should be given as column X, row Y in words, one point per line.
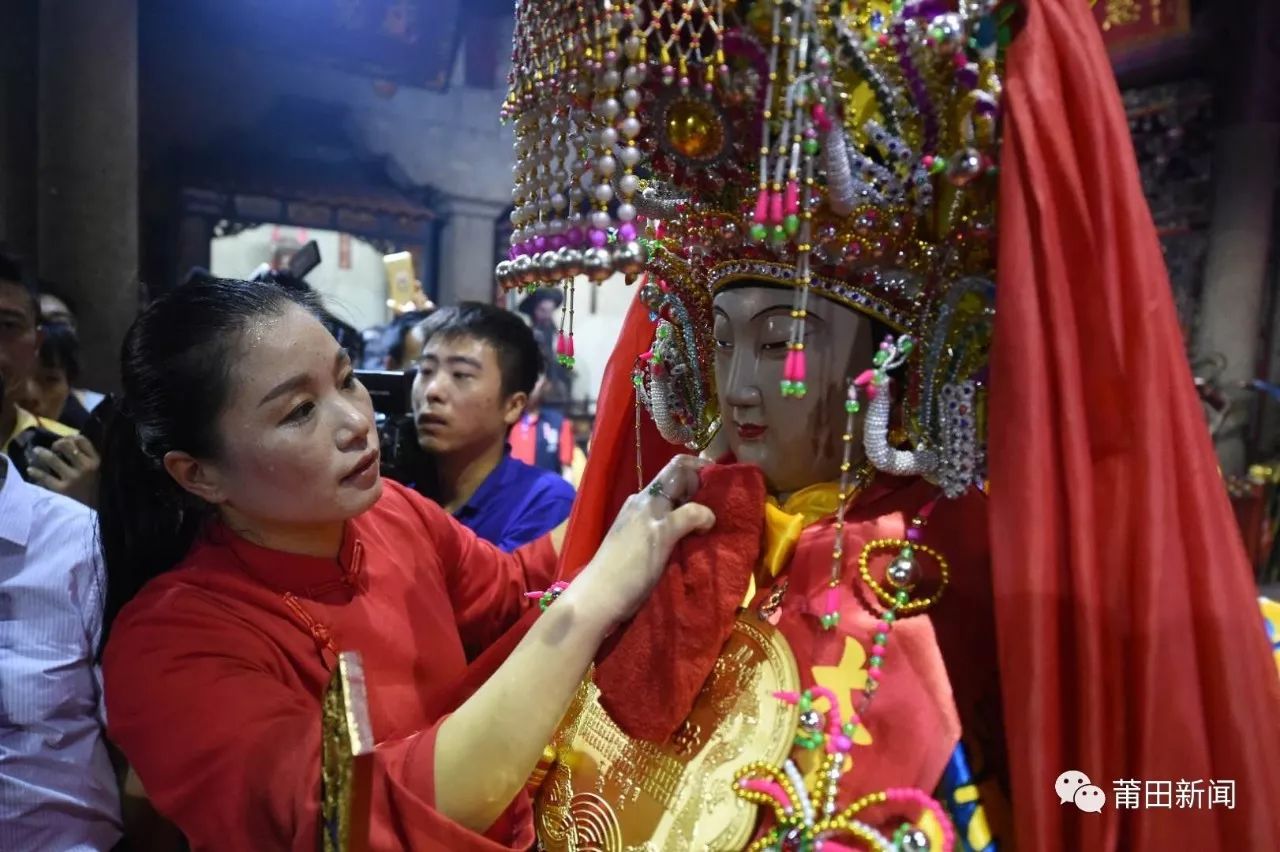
column 787, row 387
column 758, row 233
column 806, row 702
column 880, row 639
column 801, row 390
column 791, row 224
column 875, row 662
column 851, row 407
column 902, row 597
column 779, row 234
column 939, row 165
column 811, row 146
column 906, row 345
column 890, row 617
column 879, row 358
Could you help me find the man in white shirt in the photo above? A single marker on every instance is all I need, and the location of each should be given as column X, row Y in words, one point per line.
column 57, row 787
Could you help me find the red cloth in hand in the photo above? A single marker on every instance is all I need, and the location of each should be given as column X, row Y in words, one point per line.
column 651, row 671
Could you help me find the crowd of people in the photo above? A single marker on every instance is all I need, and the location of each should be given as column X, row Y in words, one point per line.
column 479, row 388
column 953, row 543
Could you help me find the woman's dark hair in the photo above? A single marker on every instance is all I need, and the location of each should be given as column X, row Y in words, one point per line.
column 519, row 357
column 176, row 370
column 61, row 349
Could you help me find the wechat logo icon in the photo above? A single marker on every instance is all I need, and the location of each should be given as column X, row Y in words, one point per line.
column 1074, row 787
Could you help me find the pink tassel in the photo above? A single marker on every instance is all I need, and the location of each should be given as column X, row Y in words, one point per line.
column 568, row 348
column 762, row 207
column 793, row 198
column 800, row 366
column 789, row 697
column 789, row 366
column 866, row 380
column 560, row 344
column 833, row 600
column 775, row 208
column 832, row 702
column 820, row 118
column 772, row 789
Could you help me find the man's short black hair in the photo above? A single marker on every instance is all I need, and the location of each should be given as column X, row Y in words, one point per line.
column 61, row 349
column 12, row 272
column 519, row 357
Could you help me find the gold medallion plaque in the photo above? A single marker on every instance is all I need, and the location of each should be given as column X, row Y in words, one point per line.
column 346, row 758
column 606, row 792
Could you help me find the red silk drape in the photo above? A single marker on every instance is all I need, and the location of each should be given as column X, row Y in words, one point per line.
column 1129, row 641
column 610, row 476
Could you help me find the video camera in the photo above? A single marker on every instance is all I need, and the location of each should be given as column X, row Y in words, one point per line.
column 393, row 418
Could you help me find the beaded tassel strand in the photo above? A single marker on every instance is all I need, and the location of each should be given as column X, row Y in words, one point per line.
column 760, row 219
column 564, row 345
column 832, row 616
column 798, row 202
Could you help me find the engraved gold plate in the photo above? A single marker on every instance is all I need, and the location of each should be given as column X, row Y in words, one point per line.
column 606, row 792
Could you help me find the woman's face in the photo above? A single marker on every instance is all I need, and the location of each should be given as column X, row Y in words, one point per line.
column 49, row 391
column 796, row 442
column 299, row 446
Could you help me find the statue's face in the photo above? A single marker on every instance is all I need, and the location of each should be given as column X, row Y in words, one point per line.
column 796, row 442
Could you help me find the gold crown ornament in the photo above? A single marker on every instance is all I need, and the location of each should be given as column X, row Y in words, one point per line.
column 842, row 148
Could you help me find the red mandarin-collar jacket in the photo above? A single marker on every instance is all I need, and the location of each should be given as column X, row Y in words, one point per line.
column 214, row 675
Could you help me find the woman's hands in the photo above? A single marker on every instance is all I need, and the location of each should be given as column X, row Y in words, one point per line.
column 635, row 551
column 70, row 468
column 487, row 748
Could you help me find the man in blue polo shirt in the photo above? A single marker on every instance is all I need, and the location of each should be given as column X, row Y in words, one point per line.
column 479, row 364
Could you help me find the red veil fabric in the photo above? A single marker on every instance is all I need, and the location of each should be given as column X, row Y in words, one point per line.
column 610, row 476
column 1129, row 641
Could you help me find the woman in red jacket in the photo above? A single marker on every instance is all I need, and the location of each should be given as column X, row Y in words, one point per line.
column 249, row 538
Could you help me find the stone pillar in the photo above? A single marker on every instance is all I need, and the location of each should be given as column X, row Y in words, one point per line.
column 88, row 170
column 18, row 126
column 1233, row 302
column 467, row 251
column 1246, row 164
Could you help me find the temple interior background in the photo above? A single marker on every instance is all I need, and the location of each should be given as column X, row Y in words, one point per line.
column 141, row 138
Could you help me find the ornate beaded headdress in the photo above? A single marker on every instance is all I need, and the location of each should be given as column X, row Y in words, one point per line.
column 845, row 149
